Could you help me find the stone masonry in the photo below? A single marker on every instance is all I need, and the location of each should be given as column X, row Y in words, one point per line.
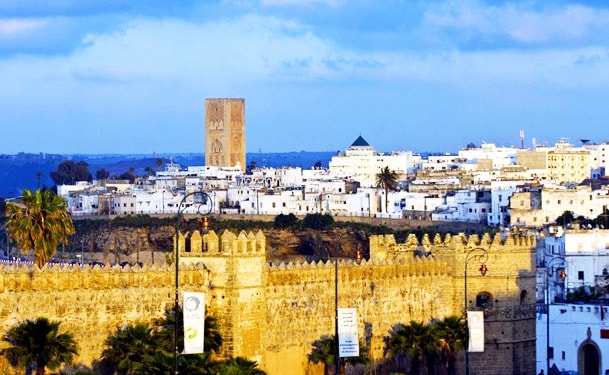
column 272, row 313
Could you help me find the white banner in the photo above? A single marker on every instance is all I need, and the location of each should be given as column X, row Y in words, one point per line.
column 348, row 341
column 193, row 308
column 475, row 323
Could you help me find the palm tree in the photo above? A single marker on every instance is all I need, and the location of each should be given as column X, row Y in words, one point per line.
column 236, row 366
column 130, row 349
column 212, row 339
column 452, row 335
column 38, row 344
column 387, row 179
column 39, row 223
column 414, row 340
column 324, row 351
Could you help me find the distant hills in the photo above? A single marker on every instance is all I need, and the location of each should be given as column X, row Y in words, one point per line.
column 28, row 171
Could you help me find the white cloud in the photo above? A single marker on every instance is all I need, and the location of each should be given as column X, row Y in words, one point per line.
column 15, row 26
column 520, row 22
column 332, row 3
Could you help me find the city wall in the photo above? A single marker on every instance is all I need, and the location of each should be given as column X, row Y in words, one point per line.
column 272, row 313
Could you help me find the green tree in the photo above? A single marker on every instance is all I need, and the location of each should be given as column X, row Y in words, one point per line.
column 415, row 340
column 130, row 349
column 387, row 179
column 127, row 176
column 565, row 219
column 602, row 220
column 282, row 221
column 68, row 173
column 39, row 223
column 236, row 366
column 37, row 344
column 324, row 351
column 451, row 333
column 102, row 174
column 159, row 163
column 212, row 339
column 318, row 221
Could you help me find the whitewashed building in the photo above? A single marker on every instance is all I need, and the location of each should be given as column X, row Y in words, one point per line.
column 360, row 162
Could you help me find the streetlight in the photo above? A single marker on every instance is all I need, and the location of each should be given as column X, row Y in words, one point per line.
column 480, row 255
column 82, row 251
column 562, row 275
column 205, row 206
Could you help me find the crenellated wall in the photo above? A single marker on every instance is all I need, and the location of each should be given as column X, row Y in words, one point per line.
column 272, row 313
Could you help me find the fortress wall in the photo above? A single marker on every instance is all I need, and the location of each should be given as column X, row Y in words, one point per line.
column 301, row 303
column 273, row 313
column 90, row 303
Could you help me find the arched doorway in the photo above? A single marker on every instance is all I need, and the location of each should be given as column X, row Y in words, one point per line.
column 589, row 357
column 591, row 360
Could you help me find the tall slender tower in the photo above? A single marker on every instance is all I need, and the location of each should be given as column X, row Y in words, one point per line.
column 225, row 132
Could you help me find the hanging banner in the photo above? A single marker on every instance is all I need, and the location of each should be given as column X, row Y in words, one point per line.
column 348, row 341
column 193, row 308
column 475, row 324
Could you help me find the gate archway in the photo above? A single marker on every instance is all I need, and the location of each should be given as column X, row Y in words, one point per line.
column 589, row 357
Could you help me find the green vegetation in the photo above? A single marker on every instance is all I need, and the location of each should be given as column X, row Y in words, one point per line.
column 69, row 172
column 324, row 351
column 429, row 344
column 387, row 179
column 39, row 224
column 135, row 349
column 318, row 221
column 37, row 344
column 585, row 294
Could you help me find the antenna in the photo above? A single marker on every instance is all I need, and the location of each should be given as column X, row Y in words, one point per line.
column 521, row 139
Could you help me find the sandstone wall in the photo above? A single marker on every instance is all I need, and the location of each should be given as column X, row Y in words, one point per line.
column 272, row 313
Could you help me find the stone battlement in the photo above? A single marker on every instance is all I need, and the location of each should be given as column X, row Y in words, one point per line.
column 272, row 312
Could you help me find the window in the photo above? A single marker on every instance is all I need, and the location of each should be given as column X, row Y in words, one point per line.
column 483, row 300
column 551, row 352
column 580, row 275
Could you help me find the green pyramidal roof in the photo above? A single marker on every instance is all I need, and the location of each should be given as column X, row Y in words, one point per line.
column 360, row 141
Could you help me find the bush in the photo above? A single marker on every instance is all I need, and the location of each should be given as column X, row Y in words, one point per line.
column 285, row 221
column 318, row 221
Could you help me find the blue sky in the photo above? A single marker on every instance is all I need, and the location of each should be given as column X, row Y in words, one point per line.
column 123, row 76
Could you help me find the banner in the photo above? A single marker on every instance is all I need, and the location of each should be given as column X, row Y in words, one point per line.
column 348, row 341
column 193, row 308
column 475, row 323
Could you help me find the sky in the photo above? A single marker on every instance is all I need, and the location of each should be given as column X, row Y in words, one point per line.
column 124, row 76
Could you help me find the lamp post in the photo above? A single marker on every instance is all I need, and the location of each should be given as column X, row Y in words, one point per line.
column 562, row 275
column 82, row 250
column 205, row 206
column 478, row 254
column 337, row 357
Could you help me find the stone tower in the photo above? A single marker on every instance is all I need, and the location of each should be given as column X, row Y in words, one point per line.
column 225, row 132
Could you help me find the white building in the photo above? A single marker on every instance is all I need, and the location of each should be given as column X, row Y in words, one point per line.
column 489, row 157
column 584, row 253
column 501, row 192
column 599, row 159
column 360, row 162
column 470, row 206
column 542, row 206
column 578, row 339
